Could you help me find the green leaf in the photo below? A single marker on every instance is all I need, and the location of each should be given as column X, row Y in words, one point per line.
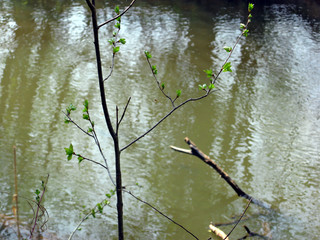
column 227, row 67
column 178, row 93
column 37, row 191
column 100, row 208
column 70, row 108
column 250, row 7
column 209, row 73
column 122, row 40
column 92, row 123
column 162, row 86
column 250, row 16
column 80, row 158
column 85, row 116
column 117, row 10
column 86, row 104
column 90, row 130
column 228, row 49
column 242, row 26
column 69, row 157
column 66, row 120
column 69, row 151
column 93, row 213
column 245, row 32
column 202, row 87
column 111, row 41
column 211, row 86
column 148, row 55
column 116, row 49
column 154, row 69
column 117, row 25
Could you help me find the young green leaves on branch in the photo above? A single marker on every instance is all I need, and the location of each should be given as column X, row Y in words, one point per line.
column 243, row 27
column 162, row 85
column 114, row 41
column 226, row 67
column 211, row 77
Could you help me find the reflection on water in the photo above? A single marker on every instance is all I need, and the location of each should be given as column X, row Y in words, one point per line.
column 262, row 126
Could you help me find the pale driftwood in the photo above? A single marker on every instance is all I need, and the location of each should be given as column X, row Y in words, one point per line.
column 198, row 153
column 218, row 232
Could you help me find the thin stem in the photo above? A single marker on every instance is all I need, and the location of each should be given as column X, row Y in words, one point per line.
column 119, row 15
column 125, row 109
column 16, row 190
column 158, row 83
column 73, row 122
column 38, row 207
column 161, row 213
column 122, row 116
column 165, row 117
column 230, row 53
column 239, row 219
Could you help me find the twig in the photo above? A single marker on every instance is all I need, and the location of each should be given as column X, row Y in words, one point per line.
column 239, row 219
column 73, row 122
column 112, row 61
column 79, row 224
column 15, row 196
column 122, row 116
column 252, row 234
column 161, row 213
column 119, row 15
column 38, row 207
column 165, row 117
column 234, row 46
column 85, row 218
column 158, row 83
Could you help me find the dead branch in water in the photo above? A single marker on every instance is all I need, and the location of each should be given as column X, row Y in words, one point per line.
column 198, row 153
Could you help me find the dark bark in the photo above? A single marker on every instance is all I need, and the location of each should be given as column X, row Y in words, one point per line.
column 108, row 120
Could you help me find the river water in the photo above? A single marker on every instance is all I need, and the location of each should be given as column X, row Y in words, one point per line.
column 262, row 125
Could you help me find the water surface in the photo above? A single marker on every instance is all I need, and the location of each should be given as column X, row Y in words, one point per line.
column 261, row 126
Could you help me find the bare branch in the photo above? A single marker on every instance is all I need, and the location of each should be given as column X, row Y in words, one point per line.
column 124, row 111
column 73, row 122
column 239, row 219
column 164, row 118
column 111, row 68
column 161, row 213
column 114, row 18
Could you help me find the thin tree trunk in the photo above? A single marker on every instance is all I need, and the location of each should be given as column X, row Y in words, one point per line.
column 108, row 120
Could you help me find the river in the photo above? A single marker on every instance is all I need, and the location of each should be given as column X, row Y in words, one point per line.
column 261, row 125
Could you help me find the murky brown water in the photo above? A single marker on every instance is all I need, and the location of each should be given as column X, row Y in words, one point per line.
column 262, row 126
